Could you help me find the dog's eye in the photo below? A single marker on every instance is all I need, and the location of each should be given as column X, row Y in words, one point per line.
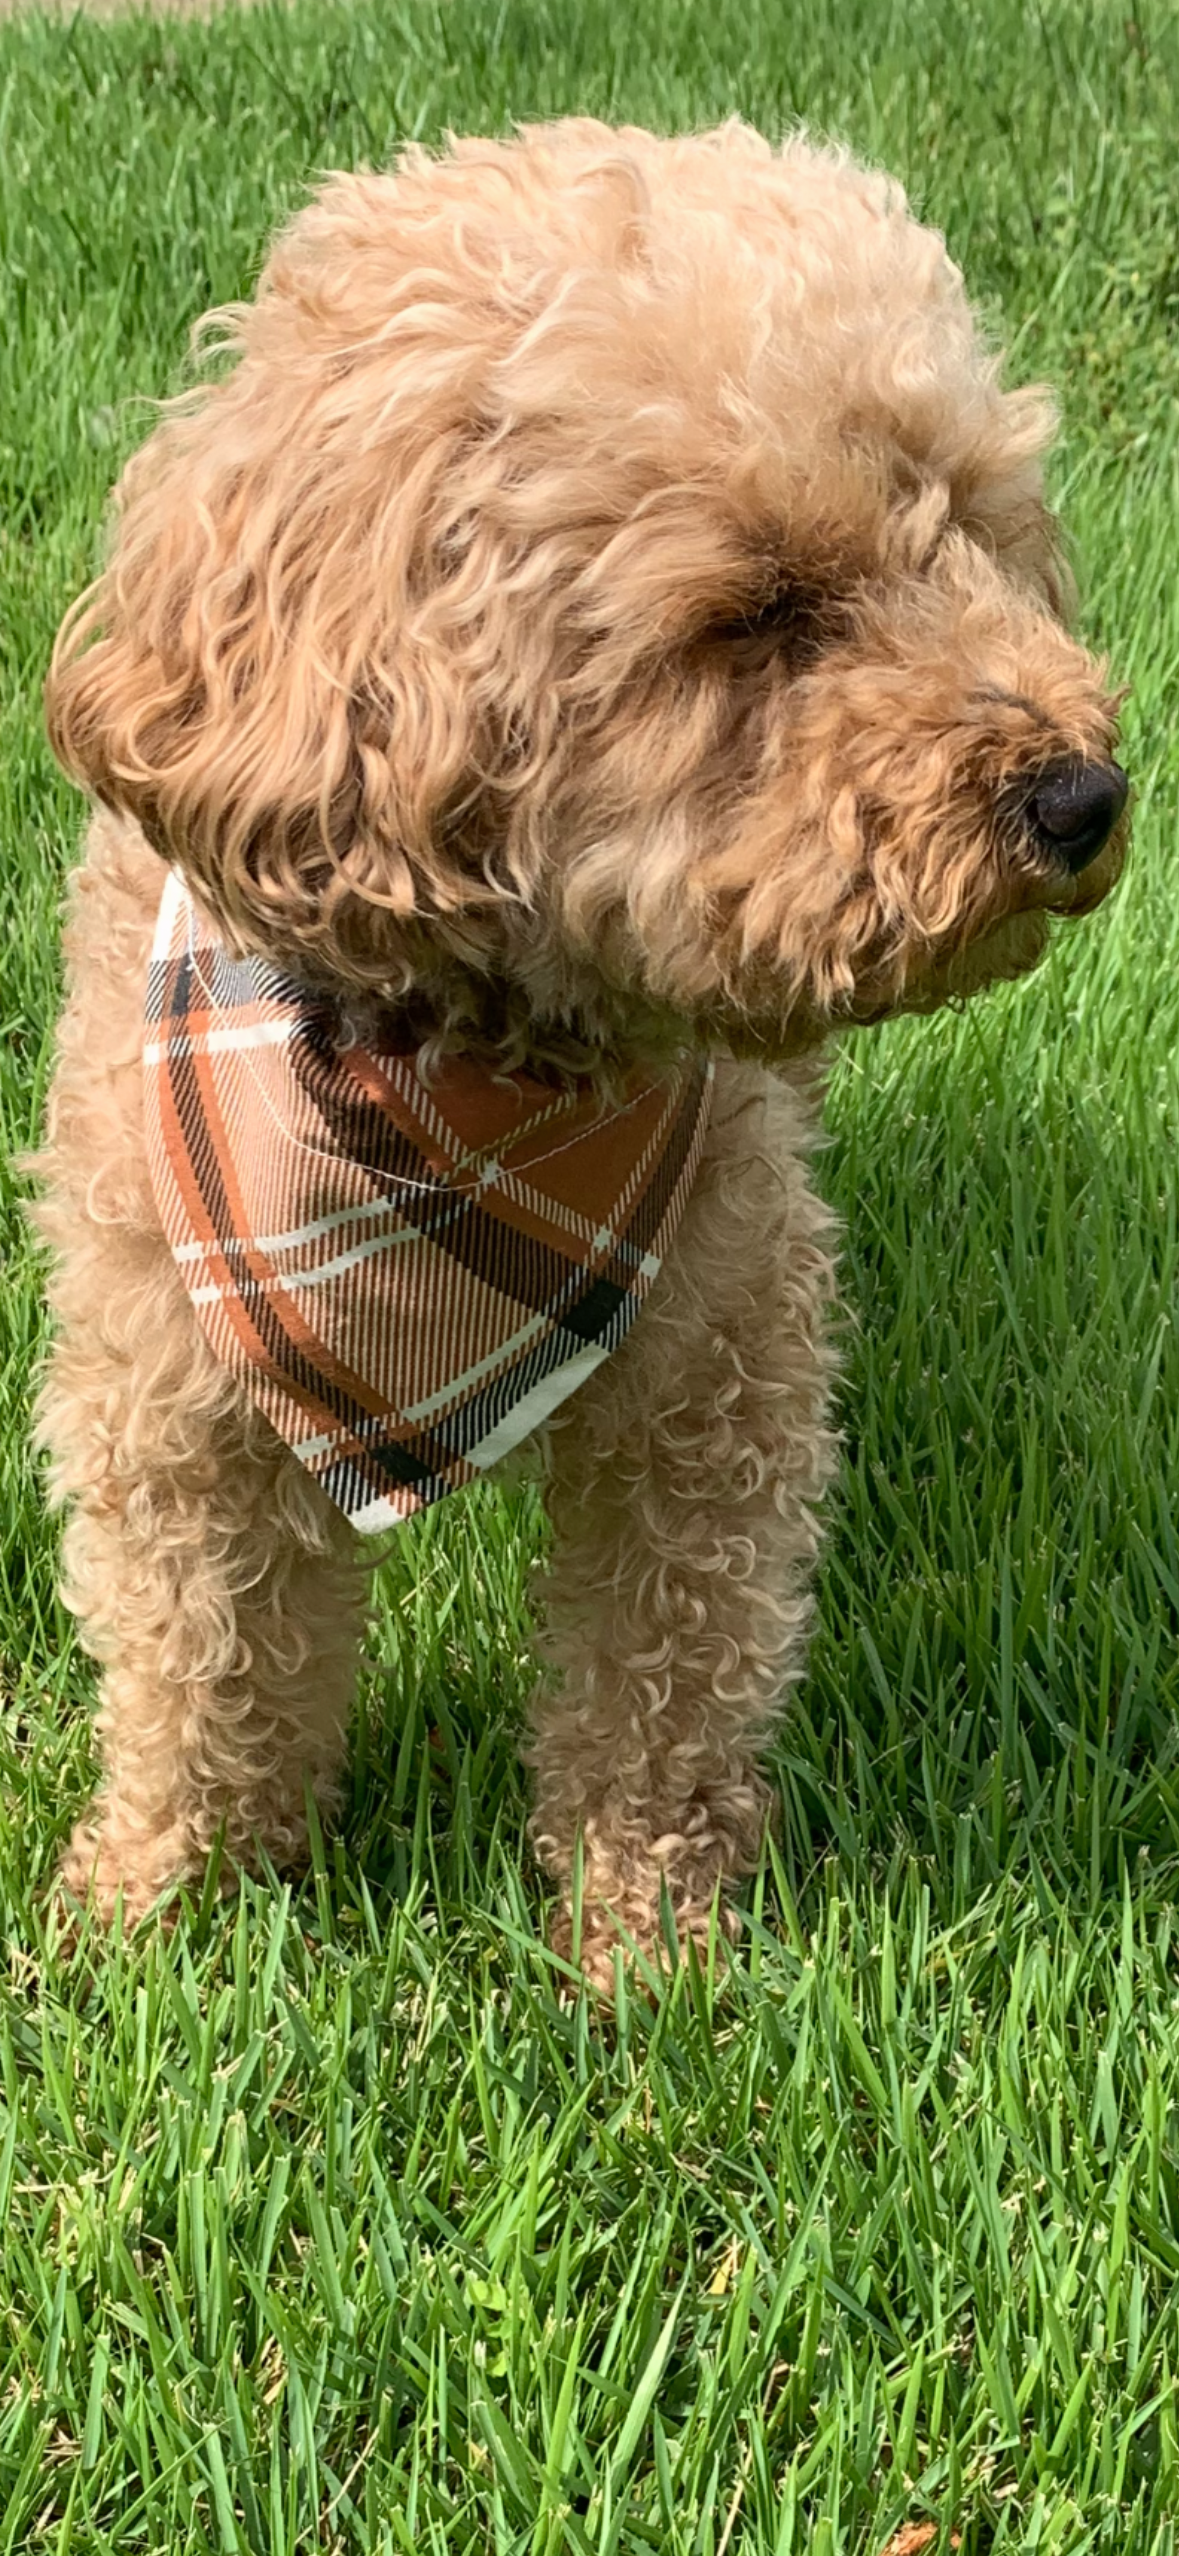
column 788, row 617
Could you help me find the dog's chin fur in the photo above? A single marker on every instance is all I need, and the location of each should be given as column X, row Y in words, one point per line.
column 608, row 601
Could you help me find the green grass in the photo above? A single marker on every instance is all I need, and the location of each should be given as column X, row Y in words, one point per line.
column 327, row 2225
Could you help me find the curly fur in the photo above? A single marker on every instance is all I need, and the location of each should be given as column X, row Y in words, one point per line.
column 609, row 598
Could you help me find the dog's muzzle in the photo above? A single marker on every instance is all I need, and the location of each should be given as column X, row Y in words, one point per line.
column 1073, row 810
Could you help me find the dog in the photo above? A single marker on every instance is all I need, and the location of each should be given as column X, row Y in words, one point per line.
column 598, row 633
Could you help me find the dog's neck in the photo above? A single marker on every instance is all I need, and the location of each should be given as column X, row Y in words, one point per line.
column 496, row 1023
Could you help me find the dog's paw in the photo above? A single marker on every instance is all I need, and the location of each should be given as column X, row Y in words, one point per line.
column 633, row 1931
column 99, row 1873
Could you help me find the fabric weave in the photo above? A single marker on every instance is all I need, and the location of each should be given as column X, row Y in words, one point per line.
column 407, row 1274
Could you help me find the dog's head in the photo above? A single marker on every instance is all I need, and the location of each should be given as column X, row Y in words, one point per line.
column 610, row 590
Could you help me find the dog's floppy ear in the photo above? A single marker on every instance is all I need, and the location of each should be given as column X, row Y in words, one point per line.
column 267, row 675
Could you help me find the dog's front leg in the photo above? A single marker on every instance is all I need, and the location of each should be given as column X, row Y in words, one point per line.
column 225, row 1604
column 684, row 1489
column 213, row 1580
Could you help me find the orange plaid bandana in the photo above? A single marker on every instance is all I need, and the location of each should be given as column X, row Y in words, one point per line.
column 407, row 1275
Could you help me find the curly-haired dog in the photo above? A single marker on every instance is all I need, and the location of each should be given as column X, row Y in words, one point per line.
column 606, row 617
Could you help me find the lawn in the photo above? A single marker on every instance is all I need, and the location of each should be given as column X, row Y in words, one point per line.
column 327, row 2224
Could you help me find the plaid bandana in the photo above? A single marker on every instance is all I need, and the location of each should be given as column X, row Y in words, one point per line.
column 407, row 1275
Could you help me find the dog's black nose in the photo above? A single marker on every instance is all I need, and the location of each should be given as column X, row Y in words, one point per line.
column 1074, row 808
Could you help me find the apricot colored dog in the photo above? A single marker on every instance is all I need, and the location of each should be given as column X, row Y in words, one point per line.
column 603, row 625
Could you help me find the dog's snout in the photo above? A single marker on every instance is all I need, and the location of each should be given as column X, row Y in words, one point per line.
column 1074, row 808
